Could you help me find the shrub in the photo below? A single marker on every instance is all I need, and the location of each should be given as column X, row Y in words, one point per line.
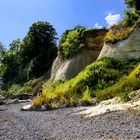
column 14, row 89
column 123, row 87
column 2, row 92
column 31, row 87
column 70, row 42
column 118, row 33
column 73, row 40
column 37, row 102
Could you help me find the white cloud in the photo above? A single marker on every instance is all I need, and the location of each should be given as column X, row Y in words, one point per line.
column 98, row 26
column 112, row 19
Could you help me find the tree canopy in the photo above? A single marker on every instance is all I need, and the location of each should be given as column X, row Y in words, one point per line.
column 133, row 4
column 32, row 56
column 70, row 41
column 133, row 13
column 39, row 48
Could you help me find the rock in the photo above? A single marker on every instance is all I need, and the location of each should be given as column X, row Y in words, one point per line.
column 2, row 109
column 26, row 107
column 67, row 69
column 2, row 102
column 125, row 49
column 134, row 95
column 72, row 67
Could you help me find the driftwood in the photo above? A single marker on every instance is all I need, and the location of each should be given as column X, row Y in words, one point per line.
column 2, row 109
column 23, row 96
column 16, row 101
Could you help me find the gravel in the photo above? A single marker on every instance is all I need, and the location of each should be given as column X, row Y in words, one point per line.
column 67, row 124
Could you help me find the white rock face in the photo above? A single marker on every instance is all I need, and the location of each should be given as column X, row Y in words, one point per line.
column 65, row 70
column 70, row 68
column 126, row 49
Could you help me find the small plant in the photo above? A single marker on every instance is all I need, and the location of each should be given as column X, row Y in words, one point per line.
column 86, row 99
column 2, row 92
column 37, row 102
column 14, row 89
column 31, row 87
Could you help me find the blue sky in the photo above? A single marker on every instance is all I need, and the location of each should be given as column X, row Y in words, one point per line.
column 16, row 16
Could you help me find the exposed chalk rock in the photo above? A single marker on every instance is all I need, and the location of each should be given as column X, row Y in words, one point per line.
column 26, row 107
column 126, row 49
column 67, row 69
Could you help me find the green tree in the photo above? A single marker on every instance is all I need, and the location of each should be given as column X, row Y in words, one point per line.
column 133, row 4
column 2, row 50
column 38, row 49
column 15, row 46
column 2, row 56
column 10, row 63
column 70, row 42
column 133, row 13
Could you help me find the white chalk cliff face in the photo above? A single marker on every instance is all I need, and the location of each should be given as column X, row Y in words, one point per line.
column 65, row 70
column 126, row 49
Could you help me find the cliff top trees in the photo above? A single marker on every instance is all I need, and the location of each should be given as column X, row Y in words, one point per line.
column 31, row 57
column 133, row 4
column 133, row 14
column 38, row 49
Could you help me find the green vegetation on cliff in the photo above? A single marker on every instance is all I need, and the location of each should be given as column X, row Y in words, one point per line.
column 74, row 39
column 70, row 42
column 123, row 87
column 122, row 30
column 86, row 85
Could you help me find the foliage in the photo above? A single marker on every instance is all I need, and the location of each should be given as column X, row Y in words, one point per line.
column 39, row 48
column 97, row 76
column 30, row 58
column 2, row 51
column 14, row 89
column 70, row 42
column 123, row 87
column 74, row 39
column 115, row 34
column 2, row 92
column 2, row 56
column 86, row 99
column 132, row 16
column 11, row 62
column 133, row 4
column 15, row 47
column 133, row 13
column 122, row 30
column 31, row 87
